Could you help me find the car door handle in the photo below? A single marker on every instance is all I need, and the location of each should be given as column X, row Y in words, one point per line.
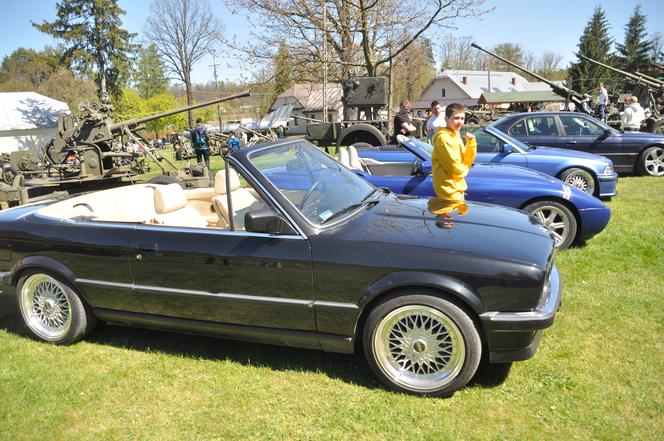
column 145, row 248
column 571, row 142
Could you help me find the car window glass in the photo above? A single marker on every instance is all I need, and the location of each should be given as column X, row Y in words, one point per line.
column 487, row 143
column 541, row 126
column 579, row 126
column 314, row 183
column 518, row 129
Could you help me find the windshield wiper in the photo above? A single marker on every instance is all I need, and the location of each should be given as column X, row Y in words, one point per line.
column 356, row 205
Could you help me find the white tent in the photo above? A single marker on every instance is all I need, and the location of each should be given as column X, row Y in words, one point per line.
column 28, row 120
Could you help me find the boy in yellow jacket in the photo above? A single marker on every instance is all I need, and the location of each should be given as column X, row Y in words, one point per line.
column 451, row 160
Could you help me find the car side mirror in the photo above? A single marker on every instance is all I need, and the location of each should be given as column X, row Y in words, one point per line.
column 266, row 220
column 507, row 149
column 607, row 132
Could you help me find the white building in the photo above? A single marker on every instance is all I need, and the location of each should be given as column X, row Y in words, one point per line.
column 28, row 120
column 307, row 101
column 466, row 86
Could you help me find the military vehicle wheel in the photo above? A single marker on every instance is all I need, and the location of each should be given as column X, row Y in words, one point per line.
column 651, row 161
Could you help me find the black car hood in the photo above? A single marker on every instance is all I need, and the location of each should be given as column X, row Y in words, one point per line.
column 473, row 228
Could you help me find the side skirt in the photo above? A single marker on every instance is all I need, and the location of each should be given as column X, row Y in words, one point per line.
column 282, row 337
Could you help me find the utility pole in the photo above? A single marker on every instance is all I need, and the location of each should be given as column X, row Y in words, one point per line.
column 324, row 62
column 216, row 84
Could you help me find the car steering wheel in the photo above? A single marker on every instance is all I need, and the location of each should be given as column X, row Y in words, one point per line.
column 307, row 195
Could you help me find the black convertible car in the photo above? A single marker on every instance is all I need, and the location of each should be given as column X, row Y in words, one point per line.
column 291, row 248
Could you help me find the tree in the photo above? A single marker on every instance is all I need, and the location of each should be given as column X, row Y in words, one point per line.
column 163, row 103
column 283, row 71
column 510, row 51
column 414, row 69
column 29, row 67
column 595, row 43
column 657, row 53
column 548, row 64
column 183, row 31
column 150, row 75
column 458, row 54
column 93, row 38
column 364, row 36
column 634, row 54
column 63, row 85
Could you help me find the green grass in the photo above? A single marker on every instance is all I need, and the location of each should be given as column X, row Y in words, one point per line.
column 598, row 374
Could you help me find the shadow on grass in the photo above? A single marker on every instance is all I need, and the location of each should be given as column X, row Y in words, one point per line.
column 350, row 368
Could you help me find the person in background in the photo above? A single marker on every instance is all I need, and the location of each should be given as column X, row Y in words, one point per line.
column 402, row 123
column 436, row 120
column 234, row 142
column 201, row 141
column 585, row 104
column 243, row 138
column 633, row 116
column 451, row 159
column 602, row 102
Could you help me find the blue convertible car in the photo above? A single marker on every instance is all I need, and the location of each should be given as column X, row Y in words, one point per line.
column 591, row 173
column 572, row 215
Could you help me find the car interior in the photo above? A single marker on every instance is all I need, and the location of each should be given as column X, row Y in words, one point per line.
column 349, row 158
column 165, row 204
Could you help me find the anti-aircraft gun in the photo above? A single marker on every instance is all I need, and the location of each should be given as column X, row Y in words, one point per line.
column 564, row 92
column 367, row 96
column 86, row 153
column 648, row 90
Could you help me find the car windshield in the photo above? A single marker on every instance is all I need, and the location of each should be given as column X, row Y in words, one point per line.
column 420, row 148
column 318, row 186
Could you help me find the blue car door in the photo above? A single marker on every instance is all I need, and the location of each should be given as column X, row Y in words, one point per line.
column 492, row 149
column 585, row 134
column 538, row 130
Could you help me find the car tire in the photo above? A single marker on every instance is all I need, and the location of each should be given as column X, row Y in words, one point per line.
column 52, row 310
column 422, row 344
column 579, row 178
column 651, row 161
column 558, row 218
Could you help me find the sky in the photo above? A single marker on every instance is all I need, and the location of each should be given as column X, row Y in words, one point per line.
column 537, row 25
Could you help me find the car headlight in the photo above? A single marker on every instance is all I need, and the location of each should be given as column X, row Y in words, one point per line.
column 608, row 170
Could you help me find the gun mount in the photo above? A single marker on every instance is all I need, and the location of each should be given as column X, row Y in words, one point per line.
column 87, row 149
column 648, row 90
column 564, row 92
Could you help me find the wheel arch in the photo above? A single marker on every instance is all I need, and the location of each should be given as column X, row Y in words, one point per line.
column 569, row 166
column 361, row 133
column 437, row 285
column 44, row 263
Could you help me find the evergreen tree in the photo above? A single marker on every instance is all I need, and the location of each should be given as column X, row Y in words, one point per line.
column 283, row 71
column 595, row 43
column 150, row 75
column 635, row 54
column 93, row 39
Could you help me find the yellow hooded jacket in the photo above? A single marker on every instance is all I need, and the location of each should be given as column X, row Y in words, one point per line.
column 450, row 163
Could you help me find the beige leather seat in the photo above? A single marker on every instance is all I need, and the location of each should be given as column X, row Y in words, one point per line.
column 344, row 158
column 170, row 203
column 243, row 200
column 355, row 161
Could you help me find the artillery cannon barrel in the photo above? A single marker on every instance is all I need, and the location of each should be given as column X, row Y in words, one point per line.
column 649, row 78
column 657, row 65
column 133, row 123
column 622, row 72
column 563, row 91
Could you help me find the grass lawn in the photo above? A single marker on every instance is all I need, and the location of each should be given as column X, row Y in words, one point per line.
column 599, row 372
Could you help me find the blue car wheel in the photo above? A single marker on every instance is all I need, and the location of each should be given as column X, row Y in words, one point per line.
column 579, row 178
column 558, row 219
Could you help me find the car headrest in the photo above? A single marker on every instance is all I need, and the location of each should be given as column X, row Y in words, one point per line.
column 220, row 181
column 168, row 198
